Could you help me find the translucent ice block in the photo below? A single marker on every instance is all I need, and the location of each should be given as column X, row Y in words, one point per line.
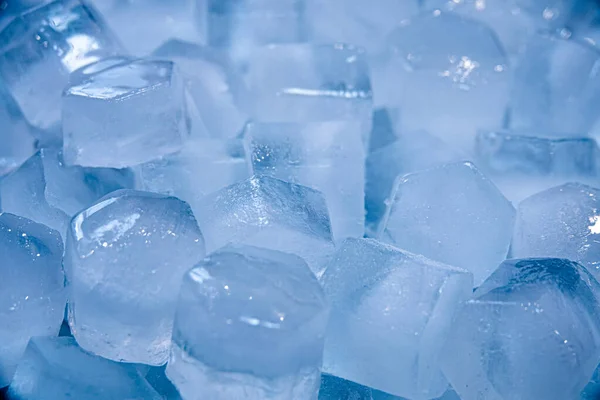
column 125, row 258
column 57, row 368
column 390, row 314
column 125, row 115
column 267, row 212
column 451, row 213
column 250, row 324
column 15, row 134
column 532, row 331
column 327, row 156
column 42, row 46
column 32, row 294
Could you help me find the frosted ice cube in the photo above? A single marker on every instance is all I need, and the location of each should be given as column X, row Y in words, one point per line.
column 390, row 314
column 309, row 83
column 327, row 156
column 267, row 212
column 45, row 190
column 32, row 294
column 560, row 222
column 531, row 332
column 41, row 47
column 250, row 324
column 16, row 136
column 451, row 67
column 411, row 152
column 202, row 167
column 125, row 115
column 124, row 260
column 556, row 86
column 212, row 83
column 57, row 368
column 451, row 213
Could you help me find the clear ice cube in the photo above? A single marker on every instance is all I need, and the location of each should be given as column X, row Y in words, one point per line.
column 451, row 213
column 47, row 191
column 202, row 167
column 564, row 222
column 57, row 368
column 390, row 314
column 125, row 258
column 532, row 331
column 267, row 212
column 125, row 115
column 250, row 324
column 212, row 83
column 326, row 156
column 556, row 86
column 42, row 46
column 444, row 65
column 32, row 293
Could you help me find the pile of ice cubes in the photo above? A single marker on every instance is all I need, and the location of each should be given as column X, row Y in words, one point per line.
column 300, row 199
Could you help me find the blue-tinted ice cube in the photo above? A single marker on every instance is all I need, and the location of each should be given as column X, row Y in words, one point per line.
column 125, row 258
column 57, row 368
column 390, row 314
column 32, row 294
column 326, row 156
column 267, row 212
column 47, row 191
column 443, row 65
column 532, row 331
column 563, row 221
column 212, row 83
column 125, row 115
column 250, row 324
column 451, row 213
column 41, row 47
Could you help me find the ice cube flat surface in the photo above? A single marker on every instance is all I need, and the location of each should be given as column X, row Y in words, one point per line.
column 57, row 368
column 451, row 213
column 328, row 157
column 445, row 65
column 32, row 294
column 390, row 313
column 531, row 332
column 271, row 213
column 39, row 49
column 560, row 222
column 124, row 261
column 556, row 85
column 250, row 324
column 125, row 115
column 47, row 191
column 212, row 83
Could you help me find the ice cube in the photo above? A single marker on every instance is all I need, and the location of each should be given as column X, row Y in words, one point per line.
column 326, row 156
column 57, row 368
column 45, row 190
column 155, row 22
column 411, row 152
column 42, row 46
column 451, row 213
column 250, row 324
column 212, row 83
column 444, row 65
column 125, row 258
column 267, row 212
column 342, row 21
column 560, row 222
column 390, row 313
column 532, row 331
column 556, row 86
column 125, row 115
column 202, row 167
column 32, row 294
column 309, row 83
